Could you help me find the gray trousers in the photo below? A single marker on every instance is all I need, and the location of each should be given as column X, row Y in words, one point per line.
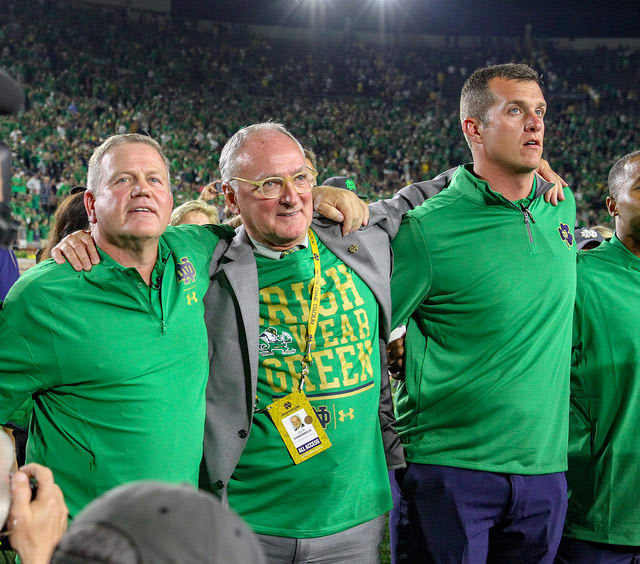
column 357, row 545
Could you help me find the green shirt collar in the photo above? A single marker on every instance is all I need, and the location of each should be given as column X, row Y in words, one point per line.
column 479, row 191
column 631, row 257
column 163, row 256
column 264, row 251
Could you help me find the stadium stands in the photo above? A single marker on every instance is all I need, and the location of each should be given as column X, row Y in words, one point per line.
column 384, row 116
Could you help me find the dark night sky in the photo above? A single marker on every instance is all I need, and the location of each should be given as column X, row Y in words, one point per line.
column 467, row 17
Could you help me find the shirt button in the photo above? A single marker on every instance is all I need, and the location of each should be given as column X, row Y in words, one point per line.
column 242, row 434
column 139, row 284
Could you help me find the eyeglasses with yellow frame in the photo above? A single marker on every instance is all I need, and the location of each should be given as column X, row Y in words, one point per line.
column 273, row 186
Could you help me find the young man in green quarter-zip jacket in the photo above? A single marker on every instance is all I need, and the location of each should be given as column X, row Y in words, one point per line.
column 485, row 274
column 603, row 518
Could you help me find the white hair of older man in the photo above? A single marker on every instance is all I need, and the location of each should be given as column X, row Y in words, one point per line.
column 232, row 150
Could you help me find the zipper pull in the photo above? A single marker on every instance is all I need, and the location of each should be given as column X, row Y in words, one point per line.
column 527, row 213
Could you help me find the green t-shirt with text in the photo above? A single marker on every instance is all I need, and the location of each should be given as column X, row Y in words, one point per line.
column 347, row 484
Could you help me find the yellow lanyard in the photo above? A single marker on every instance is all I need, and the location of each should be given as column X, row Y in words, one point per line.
column 312, row 323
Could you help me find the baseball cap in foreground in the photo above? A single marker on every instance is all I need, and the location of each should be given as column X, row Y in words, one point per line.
column 588, row 238
column 157, row 523
column 343, row 182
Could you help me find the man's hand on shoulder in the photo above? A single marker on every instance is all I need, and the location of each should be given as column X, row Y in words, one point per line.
column 78, row 249
column 555, row 194
column 342, row 206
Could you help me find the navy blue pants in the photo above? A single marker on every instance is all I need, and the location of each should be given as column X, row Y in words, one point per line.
column 456, row 516
column 574, row 551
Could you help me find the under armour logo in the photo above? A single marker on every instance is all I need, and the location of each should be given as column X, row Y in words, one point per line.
column 348, row 414
column 191, row 298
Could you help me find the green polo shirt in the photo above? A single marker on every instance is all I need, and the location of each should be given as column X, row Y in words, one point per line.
column 604, row 439
column 489, row 289
column 117, row 369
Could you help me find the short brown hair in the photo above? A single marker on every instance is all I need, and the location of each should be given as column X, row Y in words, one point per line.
column 94, row 172
column 476, row 97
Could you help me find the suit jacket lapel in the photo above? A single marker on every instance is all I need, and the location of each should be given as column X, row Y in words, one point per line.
column 361, row 261
column 239, row 266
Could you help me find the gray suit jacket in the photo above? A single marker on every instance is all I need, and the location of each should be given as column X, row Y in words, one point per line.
column 231, row 316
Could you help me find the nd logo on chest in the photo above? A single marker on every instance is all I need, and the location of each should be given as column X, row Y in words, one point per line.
column 186, row 274
column 343, row 342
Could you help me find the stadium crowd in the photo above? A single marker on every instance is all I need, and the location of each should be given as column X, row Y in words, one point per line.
column 385, row 117
column 250, row 362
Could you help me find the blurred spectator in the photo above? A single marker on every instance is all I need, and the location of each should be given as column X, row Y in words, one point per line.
column 156, row 523
column 384, row 117
column 9, row 271
column 194, row 212
column 70, row 216
column 605, row 231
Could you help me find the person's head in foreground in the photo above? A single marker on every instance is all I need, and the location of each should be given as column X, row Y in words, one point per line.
column 155, row 523
column 194, row 212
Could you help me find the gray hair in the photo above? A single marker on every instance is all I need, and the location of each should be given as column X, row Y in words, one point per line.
column 232, row 150
column 476, row 97
column 618, row 174
column 94, row 172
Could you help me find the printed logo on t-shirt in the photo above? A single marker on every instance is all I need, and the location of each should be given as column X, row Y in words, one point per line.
column 271, row 342
column 565, row 234
column 323, row 415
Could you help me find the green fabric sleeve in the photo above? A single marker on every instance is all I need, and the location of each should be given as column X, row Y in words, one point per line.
column 412, row 270
column 20, row 374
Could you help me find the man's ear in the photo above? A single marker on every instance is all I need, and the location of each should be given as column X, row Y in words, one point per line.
column 612, row 206
column 472, row 128
column 90, row 206
column 230, row 198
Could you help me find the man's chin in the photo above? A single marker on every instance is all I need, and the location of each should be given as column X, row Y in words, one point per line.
column 284, row 241
column 527, row 168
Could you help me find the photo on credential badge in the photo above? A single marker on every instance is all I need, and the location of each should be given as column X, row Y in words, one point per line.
column 302, row 433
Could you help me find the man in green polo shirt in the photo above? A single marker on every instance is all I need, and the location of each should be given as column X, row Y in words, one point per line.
column 484, row 272
column 603, row 518
column 115, row 358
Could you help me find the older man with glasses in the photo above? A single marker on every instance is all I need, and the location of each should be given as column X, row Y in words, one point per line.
column 296, row 316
